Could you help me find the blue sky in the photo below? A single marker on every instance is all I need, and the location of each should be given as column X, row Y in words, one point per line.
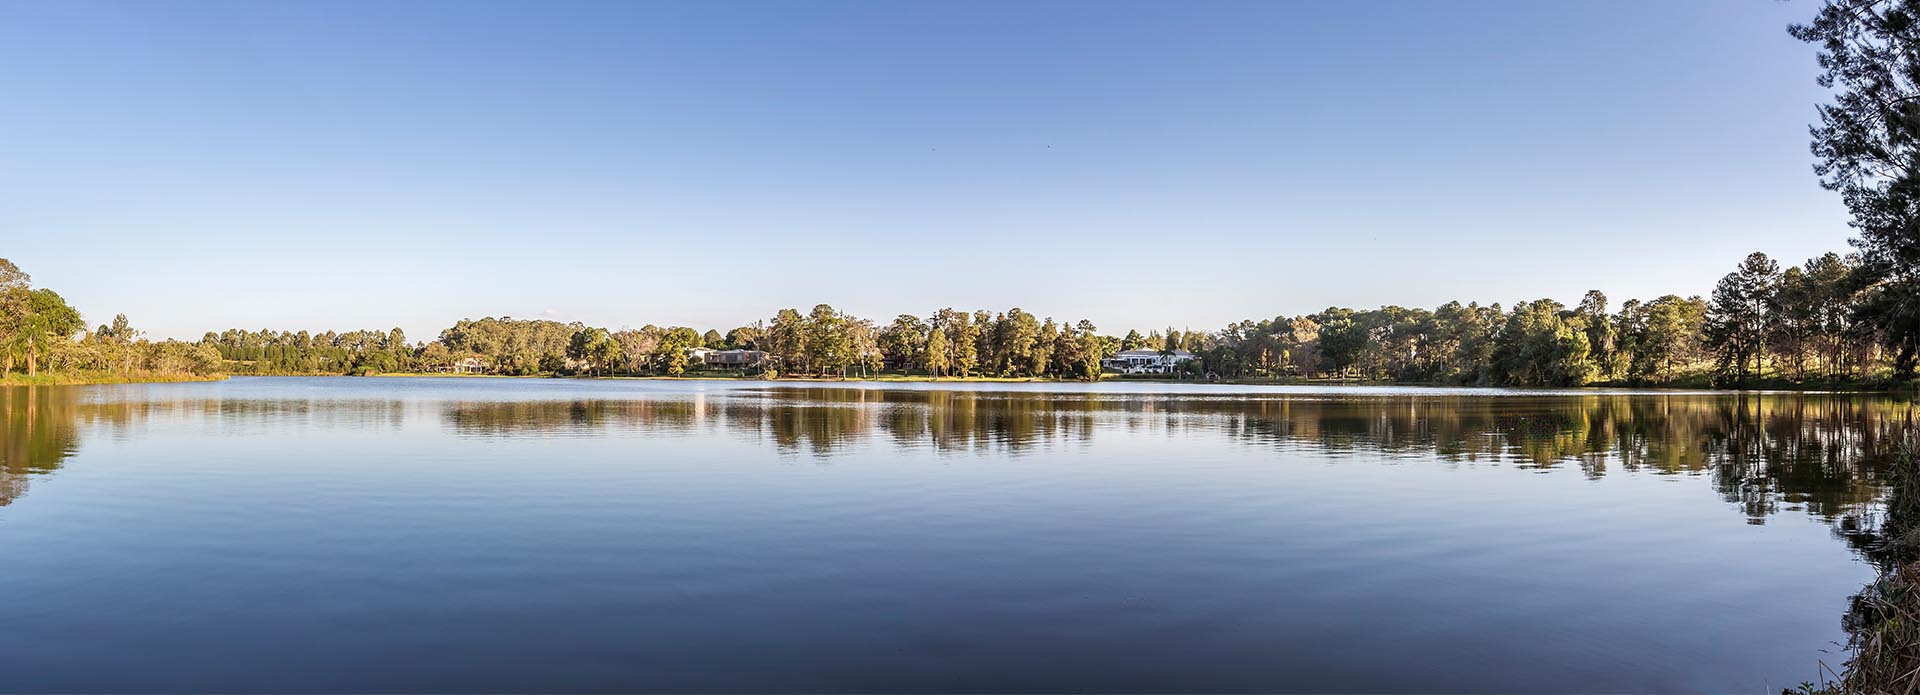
column 344, row 165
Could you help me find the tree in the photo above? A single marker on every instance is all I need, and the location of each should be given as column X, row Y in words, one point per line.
column 48, row 321
column 510, row 346
column 637, row 346
column 1092, row 350
column 12, row 277
column 904, row 342
column 965, row 336
column 984, row 340
column 14, row 296
column 1663, row 334
column 671, row 351
column 1795, row 323
column 828, row 340
column 1342, row 340
column 1014, row 337
column 1301, row 339
column 598, row 349
column 1601, row 339
column 1868, row 146
column 1834, row 286
column 863, row 343
column 1739, row 316
column 1541, row 344
column 937, row 360
column 745, row 337
column 120, row 331
column 1040, row 356
column 787, row 340
column 1463, row 341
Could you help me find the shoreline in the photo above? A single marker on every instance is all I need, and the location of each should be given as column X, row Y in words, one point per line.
column 65, row 379
column 86, row 379
column 1763, row 387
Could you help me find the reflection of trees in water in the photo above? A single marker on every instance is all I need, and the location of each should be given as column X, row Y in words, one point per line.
column 956, row 421
column 45, row 425
column 1765, row 453
column 41, row 433
column 1820, row 453
column 40, row 428
column 821, row 422
column 523, row 418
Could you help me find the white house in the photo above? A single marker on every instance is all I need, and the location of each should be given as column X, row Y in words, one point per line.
column 1146, row 361
column 735, row 359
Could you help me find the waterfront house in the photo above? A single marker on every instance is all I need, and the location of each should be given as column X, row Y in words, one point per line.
column 1146, row 361
column 734, row 359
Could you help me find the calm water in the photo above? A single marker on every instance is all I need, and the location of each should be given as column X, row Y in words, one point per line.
column 502, row 535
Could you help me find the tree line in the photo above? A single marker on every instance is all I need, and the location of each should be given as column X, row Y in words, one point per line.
column 40, row 332
column 1821, row 321
column 820, row 342
column 1832, row 319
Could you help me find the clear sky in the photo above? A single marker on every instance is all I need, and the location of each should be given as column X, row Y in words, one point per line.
column 340, row 165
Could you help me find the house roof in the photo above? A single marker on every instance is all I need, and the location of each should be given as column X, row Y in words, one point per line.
column 1150, row 352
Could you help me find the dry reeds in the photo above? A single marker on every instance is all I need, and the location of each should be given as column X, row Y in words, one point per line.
column 1883, row 624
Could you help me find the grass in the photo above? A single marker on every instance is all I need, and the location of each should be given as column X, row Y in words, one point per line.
column 1883, row 620
column 1884, row 636
column 85, row 378
column 713, row 376
column 1690, row 382
column 1884, row 623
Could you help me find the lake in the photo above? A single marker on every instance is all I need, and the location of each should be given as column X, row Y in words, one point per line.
column 416, row 534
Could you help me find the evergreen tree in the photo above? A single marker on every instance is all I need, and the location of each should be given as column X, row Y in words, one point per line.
column 1741, row 314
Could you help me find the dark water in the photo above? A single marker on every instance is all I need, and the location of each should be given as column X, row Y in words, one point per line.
column 519, row 535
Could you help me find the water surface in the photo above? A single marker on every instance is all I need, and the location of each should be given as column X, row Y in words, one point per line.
column 522, row 535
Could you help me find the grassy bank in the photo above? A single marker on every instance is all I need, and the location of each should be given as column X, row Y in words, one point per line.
column 84, row 378
column 1701, row 384
column 1884, row 623
column 1883, row 620
column 714, row 376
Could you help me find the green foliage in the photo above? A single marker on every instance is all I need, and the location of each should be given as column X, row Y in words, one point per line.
column 40, row 330
column 965, row 336
column 596, row 350
column 513, row 346
column 904, row 342
column 1542, row 344
column 671, row 350
column 1742, row 314
column 937, row 360
column 301, row 352
column 1810, row 322
column 1867, row 143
